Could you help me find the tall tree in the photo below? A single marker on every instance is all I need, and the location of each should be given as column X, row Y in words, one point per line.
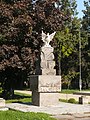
column 86, row 45
column 68, row 45
column 21, row 23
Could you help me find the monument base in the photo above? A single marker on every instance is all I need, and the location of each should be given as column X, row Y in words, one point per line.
column 45, row 99
column 45, row 83
column 45, row 89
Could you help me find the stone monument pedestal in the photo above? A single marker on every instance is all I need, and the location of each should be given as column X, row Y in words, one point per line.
column 45, row 98
column 45, row 84
column 45, row 89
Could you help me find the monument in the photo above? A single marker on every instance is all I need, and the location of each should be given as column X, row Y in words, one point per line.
column 46, row 85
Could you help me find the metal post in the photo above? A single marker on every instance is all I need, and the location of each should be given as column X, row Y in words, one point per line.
column 80, row 79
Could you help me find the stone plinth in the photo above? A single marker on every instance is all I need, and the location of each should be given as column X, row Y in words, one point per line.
column 83, row 100
column 45, row 98
column 2, row 103
column 45, row 83
column 45, row 89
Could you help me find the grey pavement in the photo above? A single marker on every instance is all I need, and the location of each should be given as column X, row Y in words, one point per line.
column 3, row 109
column 61, row 108
column 73, row 117
column 62, row 111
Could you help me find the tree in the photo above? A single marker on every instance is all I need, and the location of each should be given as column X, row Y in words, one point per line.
column 21, row 23
column 67, row 49
column 86, row 46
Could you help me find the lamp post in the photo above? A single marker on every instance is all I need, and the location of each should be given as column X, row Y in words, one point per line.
column 80, row 65
column 80, row 70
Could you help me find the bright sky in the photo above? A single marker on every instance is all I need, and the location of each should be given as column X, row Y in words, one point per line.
column 80, row 7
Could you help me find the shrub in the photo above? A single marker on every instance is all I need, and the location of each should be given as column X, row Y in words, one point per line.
column 72, row 100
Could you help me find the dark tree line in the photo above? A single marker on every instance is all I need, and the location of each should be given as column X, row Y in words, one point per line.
column 21, row 23
column 85, row 34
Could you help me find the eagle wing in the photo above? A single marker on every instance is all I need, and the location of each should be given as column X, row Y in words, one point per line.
column 43, row 36
column 51, row 36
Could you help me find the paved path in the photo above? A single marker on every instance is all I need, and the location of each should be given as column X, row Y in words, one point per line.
column 73, row 117
column 63, row 111
column 62, row 108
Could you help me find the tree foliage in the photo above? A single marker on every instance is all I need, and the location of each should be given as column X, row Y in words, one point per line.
column 21, row 23
column 67, row 49
column 86, row 46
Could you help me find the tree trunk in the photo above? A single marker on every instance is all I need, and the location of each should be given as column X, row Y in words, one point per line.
column 8, row 93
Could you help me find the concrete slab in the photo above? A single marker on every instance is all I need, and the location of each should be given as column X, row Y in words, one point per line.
column 45, row 83
column 45, row 99
column 61, row 108
column 2, row 102
column 4, row 109
column 73, row 117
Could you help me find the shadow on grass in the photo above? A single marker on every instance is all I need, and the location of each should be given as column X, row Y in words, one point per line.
column 25, row 103
column 19, row 98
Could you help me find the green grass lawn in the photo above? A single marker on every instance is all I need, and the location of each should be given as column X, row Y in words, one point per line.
column 20, row 98
column 16, row 115
column 66, row 101
column 25, row 98
column 68, row 91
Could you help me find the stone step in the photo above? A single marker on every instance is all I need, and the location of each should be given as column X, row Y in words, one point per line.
column 4, row 108
column 2, row 103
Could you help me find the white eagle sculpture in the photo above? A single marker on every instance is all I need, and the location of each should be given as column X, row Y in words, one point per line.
column 46, row 38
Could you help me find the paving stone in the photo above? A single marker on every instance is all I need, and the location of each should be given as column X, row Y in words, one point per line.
column 4, row 109
column 2, row 102
column 63, row 111
column 62, row 108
